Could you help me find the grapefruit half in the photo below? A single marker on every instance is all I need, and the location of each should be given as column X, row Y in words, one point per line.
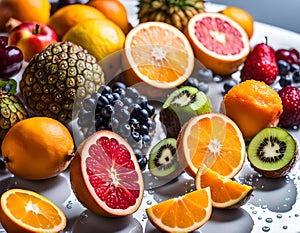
column 219, row 42
column 105, row 175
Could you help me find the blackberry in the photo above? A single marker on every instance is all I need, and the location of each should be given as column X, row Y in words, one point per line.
column 123, row 110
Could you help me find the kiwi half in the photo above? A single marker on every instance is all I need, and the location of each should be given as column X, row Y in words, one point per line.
column 272, row 152
column 163, row 161
column 181, row 105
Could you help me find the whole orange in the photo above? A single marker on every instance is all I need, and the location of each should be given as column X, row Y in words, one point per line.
column 113, row 10
column 242, row 17
column 25, row 11
column 37, row 148
column 70, row 15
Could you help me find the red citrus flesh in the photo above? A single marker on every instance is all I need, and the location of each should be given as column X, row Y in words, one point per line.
column 105, row 175
column 219, row 43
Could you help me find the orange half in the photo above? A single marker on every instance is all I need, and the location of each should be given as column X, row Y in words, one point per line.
column 27, row 211
column 214, row 140
column 225, row 193
column 182, row 214
column 158, row 54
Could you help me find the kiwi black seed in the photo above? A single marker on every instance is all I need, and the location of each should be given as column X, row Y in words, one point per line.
column 163, row 161
column 181, row 105
column 272, row 152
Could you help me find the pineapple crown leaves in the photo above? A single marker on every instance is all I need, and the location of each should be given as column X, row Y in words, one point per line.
column 10, row 86
column 168, row 4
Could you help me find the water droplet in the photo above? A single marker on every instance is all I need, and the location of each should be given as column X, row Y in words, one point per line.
column 296, row 215
column 279, row 215
column 145, row 216
column 83, row 217
column 151, row 192
column 149, row 202
column 259, row 218
column 269, row 220
column 264, row 206
column 285, row 227
column 266, row 229
column 254, row 212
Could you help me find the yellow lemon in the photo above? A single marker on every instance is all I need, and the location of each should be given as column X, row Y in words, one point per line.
column 100, row 37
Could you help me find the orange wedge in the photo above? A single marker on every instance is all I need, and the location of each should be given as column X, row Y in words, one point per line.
column 25, row 211
column 214, row 140
column 158, row 54
column 186, row 213
column 225, row 193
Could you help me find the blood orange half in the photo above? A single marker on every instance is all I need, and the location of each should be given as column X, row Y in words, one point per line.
column 219, row 42
column 105, row 175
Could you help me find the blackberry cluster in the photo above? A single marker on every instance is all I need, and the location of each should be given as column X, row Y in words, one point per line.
column 122, row 110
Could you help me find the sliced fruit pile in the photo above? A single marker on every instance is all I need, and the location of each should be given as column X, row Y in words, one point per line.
column 162, row 76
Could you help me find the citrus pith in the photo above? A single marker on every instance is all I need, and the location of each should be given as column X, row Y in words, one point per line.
column 157, row 54
column 186, row 213
column 105, row 175
column 219, row 42
column 25, row 211
column 225, row 193
column 214, row 140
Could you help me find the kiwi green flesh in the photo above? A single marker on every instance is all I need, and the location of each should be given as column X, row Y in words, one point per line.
column 272, row 152
column 187, row 99
column 162, row 160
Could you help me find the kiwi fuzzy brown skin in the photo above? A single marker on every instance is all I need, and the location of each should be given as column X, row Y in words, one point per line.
column 281, row 172
column 170, row 121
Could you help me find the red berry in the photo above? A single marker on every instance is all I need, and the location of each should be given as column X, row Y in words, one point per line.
column 260, row 65
column 290, row 97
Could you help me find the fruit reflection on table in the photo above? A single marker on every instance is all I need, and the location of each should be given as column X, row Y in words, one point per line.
column 73, row 100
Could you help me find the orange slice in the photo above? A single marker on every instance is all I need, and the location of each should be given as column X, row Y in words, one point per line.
column 182, row 214
column 158, row 54
column 214, row 140
column 225, row 193
column 27, row 211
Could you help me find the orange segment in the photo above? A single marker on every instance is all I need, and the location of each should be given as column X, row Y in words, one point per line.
column 225, row 193
column 214, row 140
column 27, row 211
column 182, row 214
column 159, row 54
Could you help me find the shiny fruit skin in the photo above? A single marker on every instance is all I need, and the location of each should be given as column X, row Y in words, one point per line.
column 11, row 59
column 25, row 11
column 37, row 148
column 261, row 64
column 32, row 38
column 114, row 10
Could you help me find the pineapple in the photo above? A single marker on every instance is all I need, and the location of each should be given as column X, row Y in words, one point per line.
column 12, row 111
column 174, row 12
column 58, row 79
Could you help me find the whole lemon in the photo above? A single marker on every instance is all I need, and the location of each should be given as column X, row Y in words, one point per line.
column 100, row 37
column 37, row 148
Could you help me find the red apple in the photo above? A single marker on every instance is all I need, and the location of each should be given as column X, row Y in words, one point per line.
column 32, row 38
